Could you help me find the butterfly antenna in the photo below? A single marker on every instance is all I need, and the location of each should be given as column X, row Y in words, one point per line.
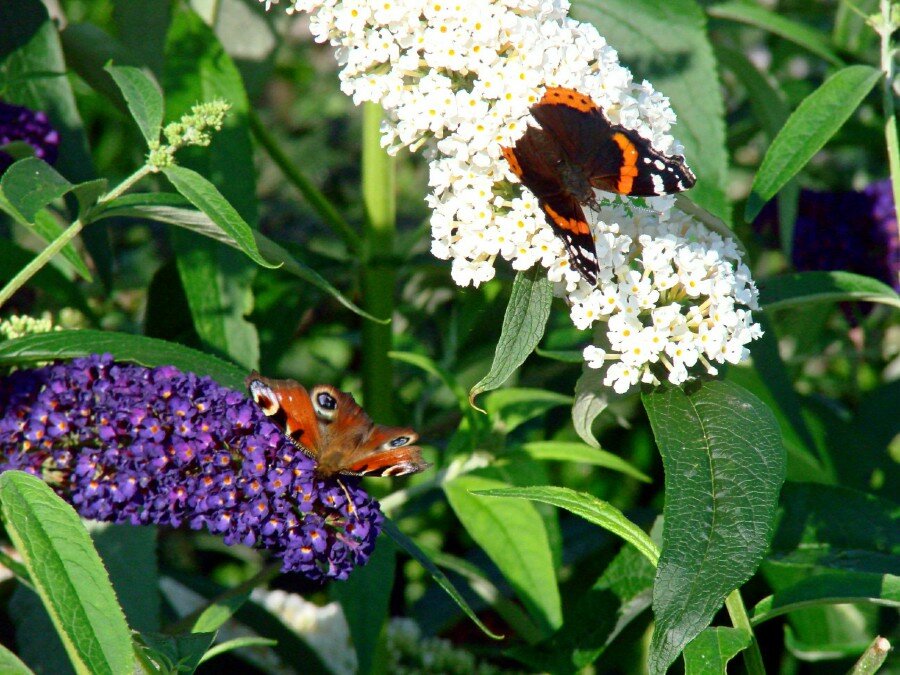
column 351, row 507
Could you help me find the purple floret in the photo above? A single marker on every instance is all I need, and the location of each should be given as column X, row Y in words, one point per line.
column 18, row 123
column 130, row 444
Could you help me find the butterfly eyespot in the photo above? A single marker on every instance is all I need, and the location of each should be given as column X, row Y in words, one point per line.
column 326, row 401
column 399, row 441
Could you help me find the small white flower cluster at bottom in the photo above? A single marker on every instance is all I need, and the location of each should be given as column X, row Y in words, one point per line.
column 674, row 296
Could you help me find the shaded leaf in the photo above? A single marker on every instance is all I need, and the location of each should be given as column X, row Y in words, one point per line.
column 619, row 596
column 800, row 288
column 47, row 228
column 724, row 466
column 365, row 598
column 30, row 184
column 523, row 327
column 408, row 545
column 170, row 208
column 67, row 574
column 794, row 31
column 710, row 652
column 830, row 588
column 591, row 399
column 834, row 527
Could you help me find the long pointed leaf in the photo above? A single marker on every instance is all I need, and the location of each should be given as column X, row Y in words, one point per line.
column 808, row 129
column 523, row 327
column 68, row 574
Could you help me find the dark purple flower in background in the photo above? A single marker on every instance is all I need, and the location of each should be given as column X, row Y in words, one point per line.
column 18, row 123
column 851, row 231
column 129, row 444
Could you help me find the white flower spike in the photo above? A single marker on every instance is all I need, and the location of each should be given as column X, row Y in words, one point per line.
column 460, row 78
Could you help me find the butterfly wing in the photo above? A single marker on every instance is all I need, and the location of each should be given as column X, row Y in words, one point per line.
column 641, row 170
column 389, row 451
column 288, row 404
column 614, row 158
column 535, row 159
column 354, row 445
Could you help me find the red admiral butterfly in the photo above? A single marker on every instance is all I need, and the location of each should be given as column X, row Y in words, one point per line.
column 328, row 425
column 577, row 149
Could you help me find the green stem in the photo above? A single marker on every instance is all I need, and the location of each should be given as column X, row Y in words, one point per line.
column 873, row 658
column 320, row 204
column 378, row 273
column 64, row 238
column 885, row 30
column 40, row 260
column 752, row 656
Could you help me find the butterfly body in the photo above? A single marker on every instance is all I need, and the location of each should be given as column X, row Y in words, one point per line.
column 328, row 425
column 576, row 150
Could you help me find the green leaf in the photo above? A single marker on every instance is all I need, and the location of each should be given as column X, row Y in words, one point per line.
column 591, row 399
column 408, row 545
column 771, row 110
column 34, row 75
column 237, row 643
column 834, row 527
column 49, row 279
column 150, row 352
column 510, row 408
column 129, row 554
column 666, row 43
column 429, row 366
column 67, row 574
column 217, row 284
column 47, row 227
column 169, row 208
column 177, row 653
column 587, row 506
column 570, row 451
column 523, row 327
column 793, row 31
column 88, row 193
column 30, row 184
column 619, row 596
column 808, row 129
column 11, row 665
column 563, row 355
column 143, row 96
column 365, row 598
column 724, row 466
column 710, row 652
column 515, row 538
column 801, row 288
column 830, row 588
column 206, row 197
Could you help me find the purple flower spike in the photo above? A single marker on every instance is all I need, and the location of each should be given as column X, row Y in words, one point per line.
column 18, row 123
column 129, row 444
